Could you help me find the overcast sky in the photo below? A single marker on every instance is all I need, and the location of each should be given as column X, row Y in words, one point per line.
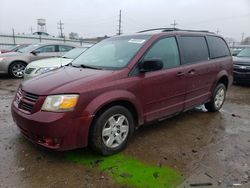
column 90, row 18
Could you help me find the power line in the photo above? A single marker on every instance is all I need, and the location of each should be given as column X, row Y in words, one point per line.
column 120, row 23
column 61, row 28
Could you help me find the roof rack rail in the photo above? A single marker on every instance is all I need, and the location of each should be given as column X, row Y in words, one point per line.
column 190, row 30
column 162, row 29
column 174, row 29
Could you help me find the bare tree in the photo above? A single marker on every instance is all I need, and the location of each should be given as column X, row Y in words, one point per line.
column 73, row 35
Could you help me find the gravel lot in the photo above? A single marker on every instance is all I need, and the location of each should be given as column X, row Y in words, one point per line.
column 203, row 147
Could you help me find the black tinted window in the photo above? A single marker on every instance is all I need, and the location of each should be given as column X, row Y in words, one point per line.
column 194, row 49
column 217, row 47
column 165, row 50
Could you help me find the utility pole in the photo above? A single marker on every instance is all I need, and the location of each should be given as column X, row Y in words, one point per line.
column 61, row 28
column 174, row 24
column 120, row 23
column 217, row 31
column 13, row 33
column 242, row 36
column 31, row 30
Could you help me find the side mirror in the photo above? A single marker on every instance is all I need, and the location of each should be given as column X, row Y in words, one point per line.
column 35, row 52
column 151, row 65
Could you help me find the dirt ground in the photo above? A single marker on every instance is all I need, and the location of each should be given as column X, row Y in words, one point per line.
column 204, row 147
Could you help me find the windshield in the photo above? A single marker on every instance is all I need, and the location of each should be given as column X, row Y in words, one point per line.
column 112, row 53
column 244, row 53
column 28, row 48
column 72, row 54
column 11, row 48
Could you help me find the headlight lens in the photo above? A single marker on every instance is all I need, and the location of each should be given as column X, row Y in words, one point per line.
column 60, row 103
column 45, row 69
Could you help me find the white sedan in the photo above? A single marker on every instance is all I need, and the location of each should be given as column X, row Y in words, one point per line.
column 38, row 67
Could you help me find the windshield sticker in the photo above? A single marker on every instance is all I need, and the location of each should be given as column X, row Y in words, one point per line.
column 137, row 41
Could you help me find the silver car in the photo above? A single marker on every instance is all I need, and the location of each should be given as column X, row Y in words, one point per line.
column 42, row 66
column 14, row 63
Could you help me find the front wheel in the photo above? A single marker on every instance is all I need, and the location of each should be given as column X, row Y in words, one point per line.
column 16, row 69
column 111, row 130
column 217, row 99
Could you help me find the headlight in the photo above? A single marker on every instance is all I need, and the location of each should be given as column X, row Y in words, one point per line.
column 60, row 103
column 45, row 69
column 1, row 59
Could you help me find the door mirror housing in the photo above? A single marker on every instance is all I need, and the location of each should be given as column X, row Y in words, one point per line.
column 35, row 52
column 151, row 65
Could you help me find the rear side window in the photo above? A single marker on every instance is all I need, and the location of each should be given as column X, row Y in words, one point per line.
column 65, row 48
column 47, row 49
column 194, row 49
column 166, row 50
column 217, row 47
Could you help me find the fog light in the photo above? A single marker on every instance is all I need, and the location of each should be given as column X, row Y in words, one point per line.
column 51, row 141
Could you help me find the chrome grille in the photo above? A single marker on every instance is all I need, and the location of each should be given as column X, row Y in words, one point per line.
column 25, row 100
column 241, row 68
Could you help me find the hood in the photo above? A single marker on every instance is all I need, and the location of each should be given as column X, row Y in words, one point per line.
column 241, row 60
column 49, row 62
column 66, row 80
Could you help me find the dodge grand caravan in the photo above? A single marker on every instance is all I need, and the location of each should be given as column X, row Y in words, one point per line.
column 121, row 83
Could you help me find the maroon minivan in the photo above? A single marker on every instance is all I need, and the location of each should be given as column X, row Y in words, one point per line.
column 121, row 83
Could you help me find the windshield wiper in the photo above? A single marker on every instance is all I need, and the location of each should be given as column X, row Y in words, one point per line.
column 89, row 67
column 83, row 66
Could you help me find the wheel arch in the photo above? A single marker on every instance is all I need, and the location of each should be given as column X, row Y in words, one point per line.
column 222, row 77
column 121, row 98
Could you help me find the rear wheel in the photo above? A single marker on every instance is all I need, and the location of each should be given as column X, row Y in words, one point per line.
column 16, row 69
column 217, row 99
column 111, row 130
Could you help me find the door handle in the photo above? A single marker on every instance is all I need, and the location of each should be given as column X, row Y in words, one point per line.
column 179, row 74
column 192, row 72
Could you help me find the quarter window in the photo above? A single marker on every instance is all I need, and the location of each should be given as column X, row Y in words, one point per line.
column 217, row 47
column 65, row 48
column 194, row 49
column 166, row 50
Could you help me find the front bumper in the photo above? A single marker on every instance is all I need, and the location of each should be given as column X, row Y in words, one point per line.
column 242, row 76
column 4, row 67
column 71, row 131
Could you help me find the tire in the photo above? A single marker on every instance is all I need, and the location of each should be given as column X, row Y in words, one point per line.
column 218, row 98
column 111, row 130
column 16, row 69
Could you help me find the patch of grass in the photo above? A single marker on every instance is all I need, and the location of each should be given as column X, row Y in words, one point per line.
column 129, row 171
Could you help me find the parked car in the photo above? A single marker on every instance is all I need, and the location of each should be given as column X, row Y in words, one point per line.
column 41, row 33
column 14, row 63
column 42, row 66
column 237, row 48
column 121, row 83
column 13, row 48
column 242, row 66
